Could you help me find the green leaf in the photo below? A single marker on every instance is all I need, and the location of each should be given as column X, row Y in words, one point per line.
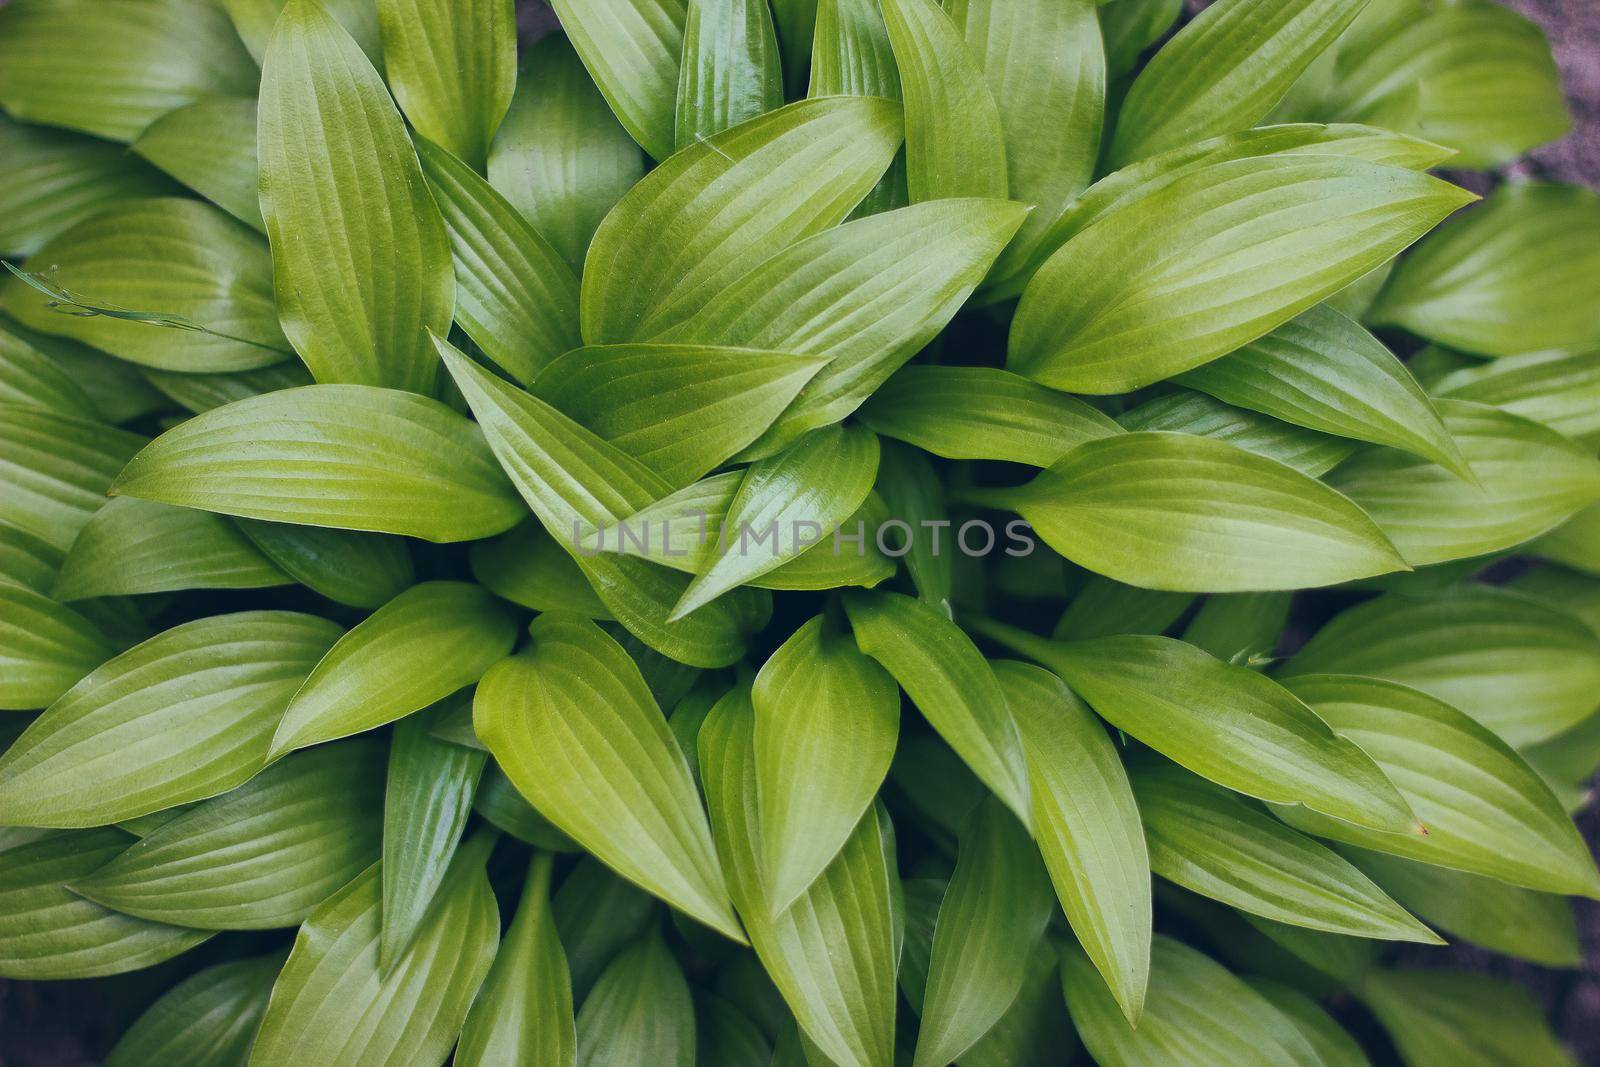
column 258, row 857
column 950, row 683
column 357, row 569
column 47, row 932
column 529, row 567
column 1525, row 670
column 640, row 1013
column 993, row 913
column 45, row 647
column 1559, row 389
column 851, row 56
column 1226, row 723
column 1575, row 543
column 632, row 50
column 207, row 1020
column 1181, row 411
column 1215, row 843
column 1225, row 71
column 426, row 801
column 181, row 258
column 254, row 19
column 352, row 457
column 202, row 392
column 1129, row 27
column 1241, row 628
column 1324, row 371
column 1087, row 827
column 50, row 180
column 523, row 1013
column 331, row 1004
column 910, row 489
column 1184, row 513
column 955, row 144
column 1505, row 278
column 1102, row 607
column 28, row 376
column 730, row 70
column 868, row 295
column 111, row 68
column 731, row 201
column 682, row 410
column 1439, row 1018
column 832, row 954
column 360, row 254
column 418, row 648
column 561, row 158
column 452, row 65
column 1334, row 1045
column 507, row 810
column 982, row 413
column 576, row 730
column 1486, row 811
column 1035, row 1030
column 1180, row 274
column 515, row 296
column 210, row 146
column 1488, row 912
column 725, row 1035
column 596, row 913
column 27, row 561
column 572, row 480
column 134, row 546
column 1198, row 1014
column 826, row 722
column 183, row 716
column 118, row 390
column 815, row 483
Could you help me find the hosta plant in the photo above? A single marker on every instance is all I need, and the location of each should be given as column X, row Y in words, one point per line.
column 828, row 532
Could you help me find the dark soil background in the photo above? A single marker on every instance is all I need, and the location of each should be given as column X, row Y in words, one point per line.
column 73, row 1024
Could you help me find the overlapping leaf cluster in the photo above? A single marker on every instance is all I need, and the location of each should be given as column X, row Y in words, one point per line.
column 374, row 333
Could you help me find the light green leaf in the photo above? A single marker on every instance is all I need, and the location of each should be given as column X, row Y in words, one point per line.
column 682, row 410
column 573, row 480
column 207, row 1020
column 45, row 647
column 109, row 67
column 790, row 499
column 868, row 295
column 719, row 208
column 202, row 392
column 982, row 413
column 561, row 158
column 993, row 913
column 515, row 296
column 1087, row 827
column 452, row 65
column 559, row 718
column 1226, row 723
column 418, row 648
column 357, row 569
column 331, row 1004
column 183, row 716
column 50, row 180
column 47, row 932
column 1333, row 1043
column 1215, row 843
column 529, row 567
column 258, row 857
column 640, row 1013
column 632, row 49
column 851, row 56
column 1575, row 543
column 1525, row 670
column 523, row 1013
column 134, row 546
column 1198, row 1015
column 180, row 258
column 1451, row 1019
column 352, row 457
column 951, row 684
column 426, row 800
column 955, row 144
column 1488, row 912
column 1308, row 451
column 254, row 19
column 1506, row 278
column 1225, row 71
column 55, row 470
column 730, row 69
column 1559, row 389
column 1486, row 811
column 1324, row 371
column 826, row 722
column 1177, row 275
column 832, row 954
column 1190, row 514
column 360, row 254
column 210, row 146
column 596, row 913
